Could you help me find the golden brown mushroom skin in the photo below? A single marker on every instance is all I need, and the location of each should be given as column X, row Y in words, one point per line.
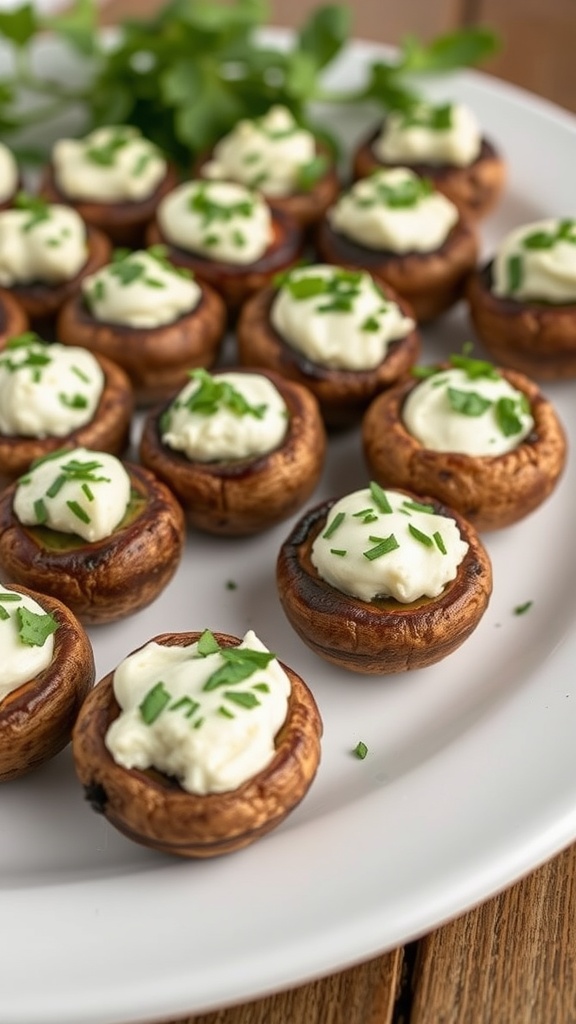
column 304, row 207
column 125, row 222
column 475, row 189
column 382, row 636
column 13, row 319
column 152, row 809
column 239, row 497
column 490, row 491
column 106, row 580
column 430, row 282
column 41, row 302
column 107, row 431
column 36, row 719
column 156, row 359
column 536, row 338
column 342, row 395
column 233, row 281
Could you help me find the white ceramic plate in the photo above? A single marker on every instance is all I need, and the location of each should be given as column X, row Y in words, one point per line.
column 469, row 782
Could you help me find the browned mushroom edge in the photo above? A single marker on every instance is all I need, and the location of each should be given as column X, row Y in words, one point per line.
column 156, row 359
column 305, row 207
column 36, row 719
column 490, row 491
column 537, row 338
column 343, row 395
column 382, row 636
column 236, row 281
column 153, row 809
column 238, row 497
column 124, row 222
column 108, row 430
column 13, row 318
column 41, row 301
column 431, row 282
column 474, row 189
column 108, row 579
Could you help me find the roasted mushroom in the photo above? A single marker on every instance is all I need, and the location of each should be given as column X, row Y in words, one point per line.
column 407, row 617
column 256, row 445
column 394, row 225
column 45, row 252
column 443, row 143
column 48, row 520
column 48, row 669
column 114, row 178
column 491, row 490
column 148, row 317
column 335, row 331
column 227, row 235
column 295, row 171
column 13, row 319
column 523, row 302
column 53, row 397
column 150, row 805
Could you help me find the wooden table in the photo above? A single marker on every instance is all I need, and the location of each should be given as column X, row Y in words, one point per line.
column 512, row 960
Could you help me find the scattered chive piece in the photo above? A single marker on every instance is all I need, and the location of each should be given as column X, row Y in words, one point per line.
column 10, row 597
column 78, row 511
column 3, row 614
column 207, row 644
column 243, row 698
column 341, row 552
column 56, row 486
column 418, row 506
column 423, row 538
column 154, row 703
column 333, row 526
column 379, row 495
column 521, row 609
column 515, row 273
column 225, row 712
column 360, row 750
column 231, row 585
column 383, row 546
column 88, row 492
column 440, row 542
column 40, row 512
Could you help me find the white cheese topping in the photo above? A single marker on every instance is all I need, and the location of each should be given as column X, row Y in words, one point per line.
column 47, row 390
column 209, row 731
column 444, row 134
column 22, row 660
column 338, row 318
column 140, row 289
column 228, row 416
column 537, row 262
column 111, row 165
column 45, row 243
column 8, row 173
column 79, row 491
column 383, row 544
column 218, row 219
column 452, row 411
column 268, row 153
column 394, row 210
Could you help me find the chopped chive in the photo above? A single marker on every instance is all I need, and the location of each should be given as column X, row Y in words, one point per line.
column 78, row 511
column 418, row 506
column 154, row 703
column 423, row 538
column 225, row 712
column 515, row 270
column 333, row 526
column 383, row 546
column 10, row 597
column 4, row 614
column 80, row 374
column 379, row 495
column 88, row 492
column 243, row 698
column 262, row 687
column 521, row 609
column 185, row 702
column 56, row 486
column 360, row 750
column 439, row 540
column 341, row 552
column 40, row 512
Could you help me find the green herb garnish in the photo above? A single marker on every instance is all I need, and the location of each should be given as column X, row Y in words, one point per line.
column 154, row 703
column 418, row 535
column 333, row 525
column 189, row 72
column 380, row 499
column 213, row 394
column 469, row 403
column 35, row 628
column 521, row 609
column 360, row 750
column 382, row 546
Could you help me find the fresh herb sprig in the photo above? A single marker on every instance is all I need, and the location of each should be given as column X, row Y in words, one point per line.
column 187, row 74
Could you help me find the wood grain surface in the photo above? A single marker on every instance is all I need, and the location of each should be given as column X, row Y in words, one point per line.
column 512, row 960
